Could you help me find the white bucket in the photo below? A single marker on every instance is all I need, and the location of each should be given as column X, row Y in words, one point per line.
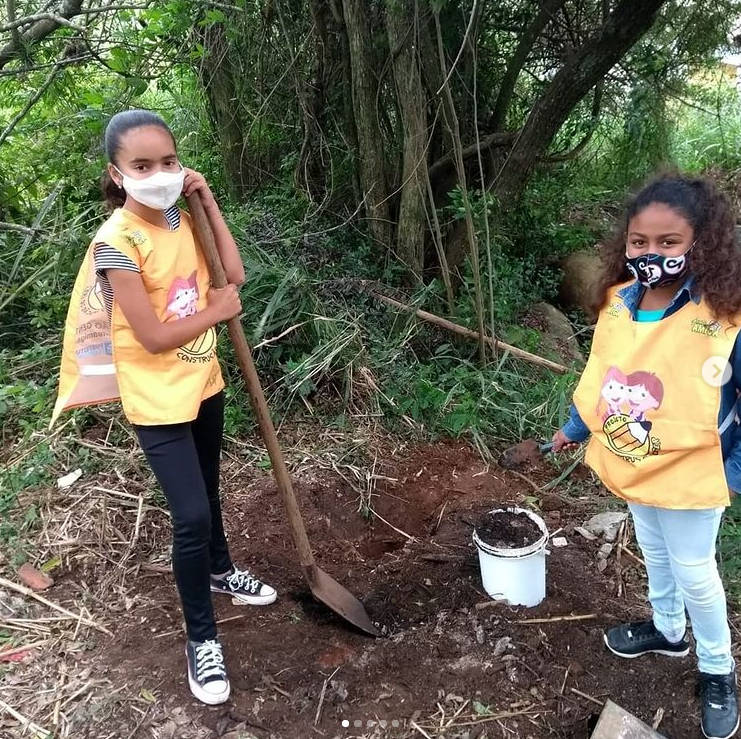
column 516, row 576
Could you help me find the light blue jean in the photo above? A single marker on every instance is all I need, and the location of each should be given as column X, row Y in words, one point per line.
column 679, row 550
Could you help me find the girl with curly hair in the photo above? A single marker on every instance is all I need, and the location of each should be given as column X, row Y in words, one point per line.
column 668, row 306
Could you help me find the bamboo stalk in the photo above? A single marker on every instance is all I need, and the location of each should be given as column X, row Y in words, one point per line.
column 587, row 697
column 469, row 334
column 30, row 594
column 554, row 619
column 38, row 731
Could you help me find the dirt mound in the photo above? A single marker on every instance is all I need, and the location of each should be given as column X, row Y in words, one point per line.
column 508, row 530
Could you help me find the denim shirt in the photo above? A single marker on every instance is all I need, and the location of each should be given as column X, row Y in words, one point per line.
column 730, row 441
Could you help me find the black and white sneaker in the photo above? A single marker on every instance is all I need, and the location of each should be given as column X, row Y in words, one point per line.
column 243, row 586
column 642, row 637
column 206, row 672
column 719, row 718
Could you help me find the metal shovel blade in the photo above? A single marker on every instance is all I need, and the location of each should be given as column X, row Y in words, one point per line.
column 526, row 451
column 616, row 723
column 328, row 591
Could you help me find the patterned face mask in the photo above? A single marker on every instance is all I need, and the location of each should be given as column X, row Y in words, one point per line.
column 657, row 270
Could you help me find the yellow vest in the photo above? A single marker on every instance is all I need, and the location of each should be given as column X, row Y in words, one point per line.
column 653, row 418
column 102, row 360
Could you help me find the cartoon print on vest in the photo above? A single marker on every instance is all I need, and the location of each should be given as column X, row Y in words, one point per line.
column 92, row 299
column 201, row 349
column 628, row 399
column 182, row 297
column 182, row 301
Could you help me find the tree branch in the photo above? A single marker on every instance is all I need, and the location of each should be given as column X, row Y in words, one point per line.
column 565, row 156
column 548, row 10
column 16, row 227
column 593, row 60
column 58, row 19
column 40, row 29
column 492, row 141
column 31, row 102
column 13, row 72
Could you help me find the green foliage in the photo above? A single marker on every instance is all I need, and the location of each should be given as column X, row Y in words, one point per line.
column 706, row 137
column 323, row 347
column 729, row 550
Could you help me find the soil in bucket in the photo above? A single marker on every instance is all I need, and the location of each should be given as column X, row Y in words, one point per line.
column 508, row 530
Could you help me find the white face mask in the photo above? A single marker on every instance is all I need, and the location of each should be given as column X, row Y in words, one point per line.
column 159, row 191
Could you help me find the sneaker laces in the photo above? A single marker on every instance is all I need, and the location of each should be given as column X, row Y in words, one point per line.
column 209, row 660
column 715, row 689
column 243, row 580
column 641, row 631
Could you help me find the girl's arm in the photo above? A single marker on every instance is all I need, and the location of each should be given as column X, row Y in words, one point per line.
column 227, row 247
column 732, row 462
column 575, row 428
column 572, row 434
column 157, row 337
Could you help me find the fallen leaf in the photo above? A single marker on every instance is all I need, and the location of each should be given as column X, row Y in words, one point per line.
column 480, row 709
column 33, row 578
column 24, row 656
column 658, row 717
column 66, row 480
column 147, row 695
column 51, row 564
column 167, row 731
column 502, row 645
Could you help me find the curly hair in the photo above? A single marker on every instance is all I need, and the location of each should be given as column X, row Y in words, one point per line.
column 715, row 260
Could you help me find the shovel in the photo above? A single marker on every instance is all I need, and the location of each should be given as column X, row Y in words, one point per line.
column 526, row 451
column 616, row 723
column 323, row 587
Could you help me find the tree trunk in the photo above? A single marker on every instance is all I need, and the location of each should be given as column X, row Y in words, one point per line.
column 591, row 62
column 217, row 77
column 548, row 10
column 309, row 172
column 347, row 114
column 370, row 144
column 623, row 27
column 401, row 23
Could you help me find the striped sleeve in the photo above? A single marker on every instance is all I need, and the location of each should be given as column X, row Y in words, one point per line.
column 107, row 257
column 172, row 216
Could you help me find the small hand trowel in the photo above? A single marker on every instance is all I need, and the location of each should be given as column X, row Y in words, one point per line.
column 526, row 451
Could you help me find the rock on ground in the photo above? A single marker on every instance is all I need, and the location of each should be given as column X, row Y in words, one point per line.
column 580, row 274
column 557, row 333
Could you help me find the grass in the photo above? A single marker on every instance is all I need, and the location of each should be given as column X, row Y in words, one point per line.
column 729, row 552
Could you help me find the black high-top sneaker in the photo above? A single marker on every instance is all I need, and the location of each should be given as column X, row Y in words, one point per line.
column 206, row 672
column 244, row 586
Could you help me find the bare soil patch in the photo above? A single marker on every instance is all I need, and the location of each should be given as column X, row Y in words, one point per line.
column 449, row 657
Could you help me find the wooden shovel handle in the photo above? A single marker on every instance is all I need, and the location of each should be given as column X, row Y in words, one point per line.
column 244, row 358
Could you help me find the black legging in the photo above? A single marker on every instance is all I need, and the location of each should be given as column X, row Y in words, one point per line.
column 185, row 460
